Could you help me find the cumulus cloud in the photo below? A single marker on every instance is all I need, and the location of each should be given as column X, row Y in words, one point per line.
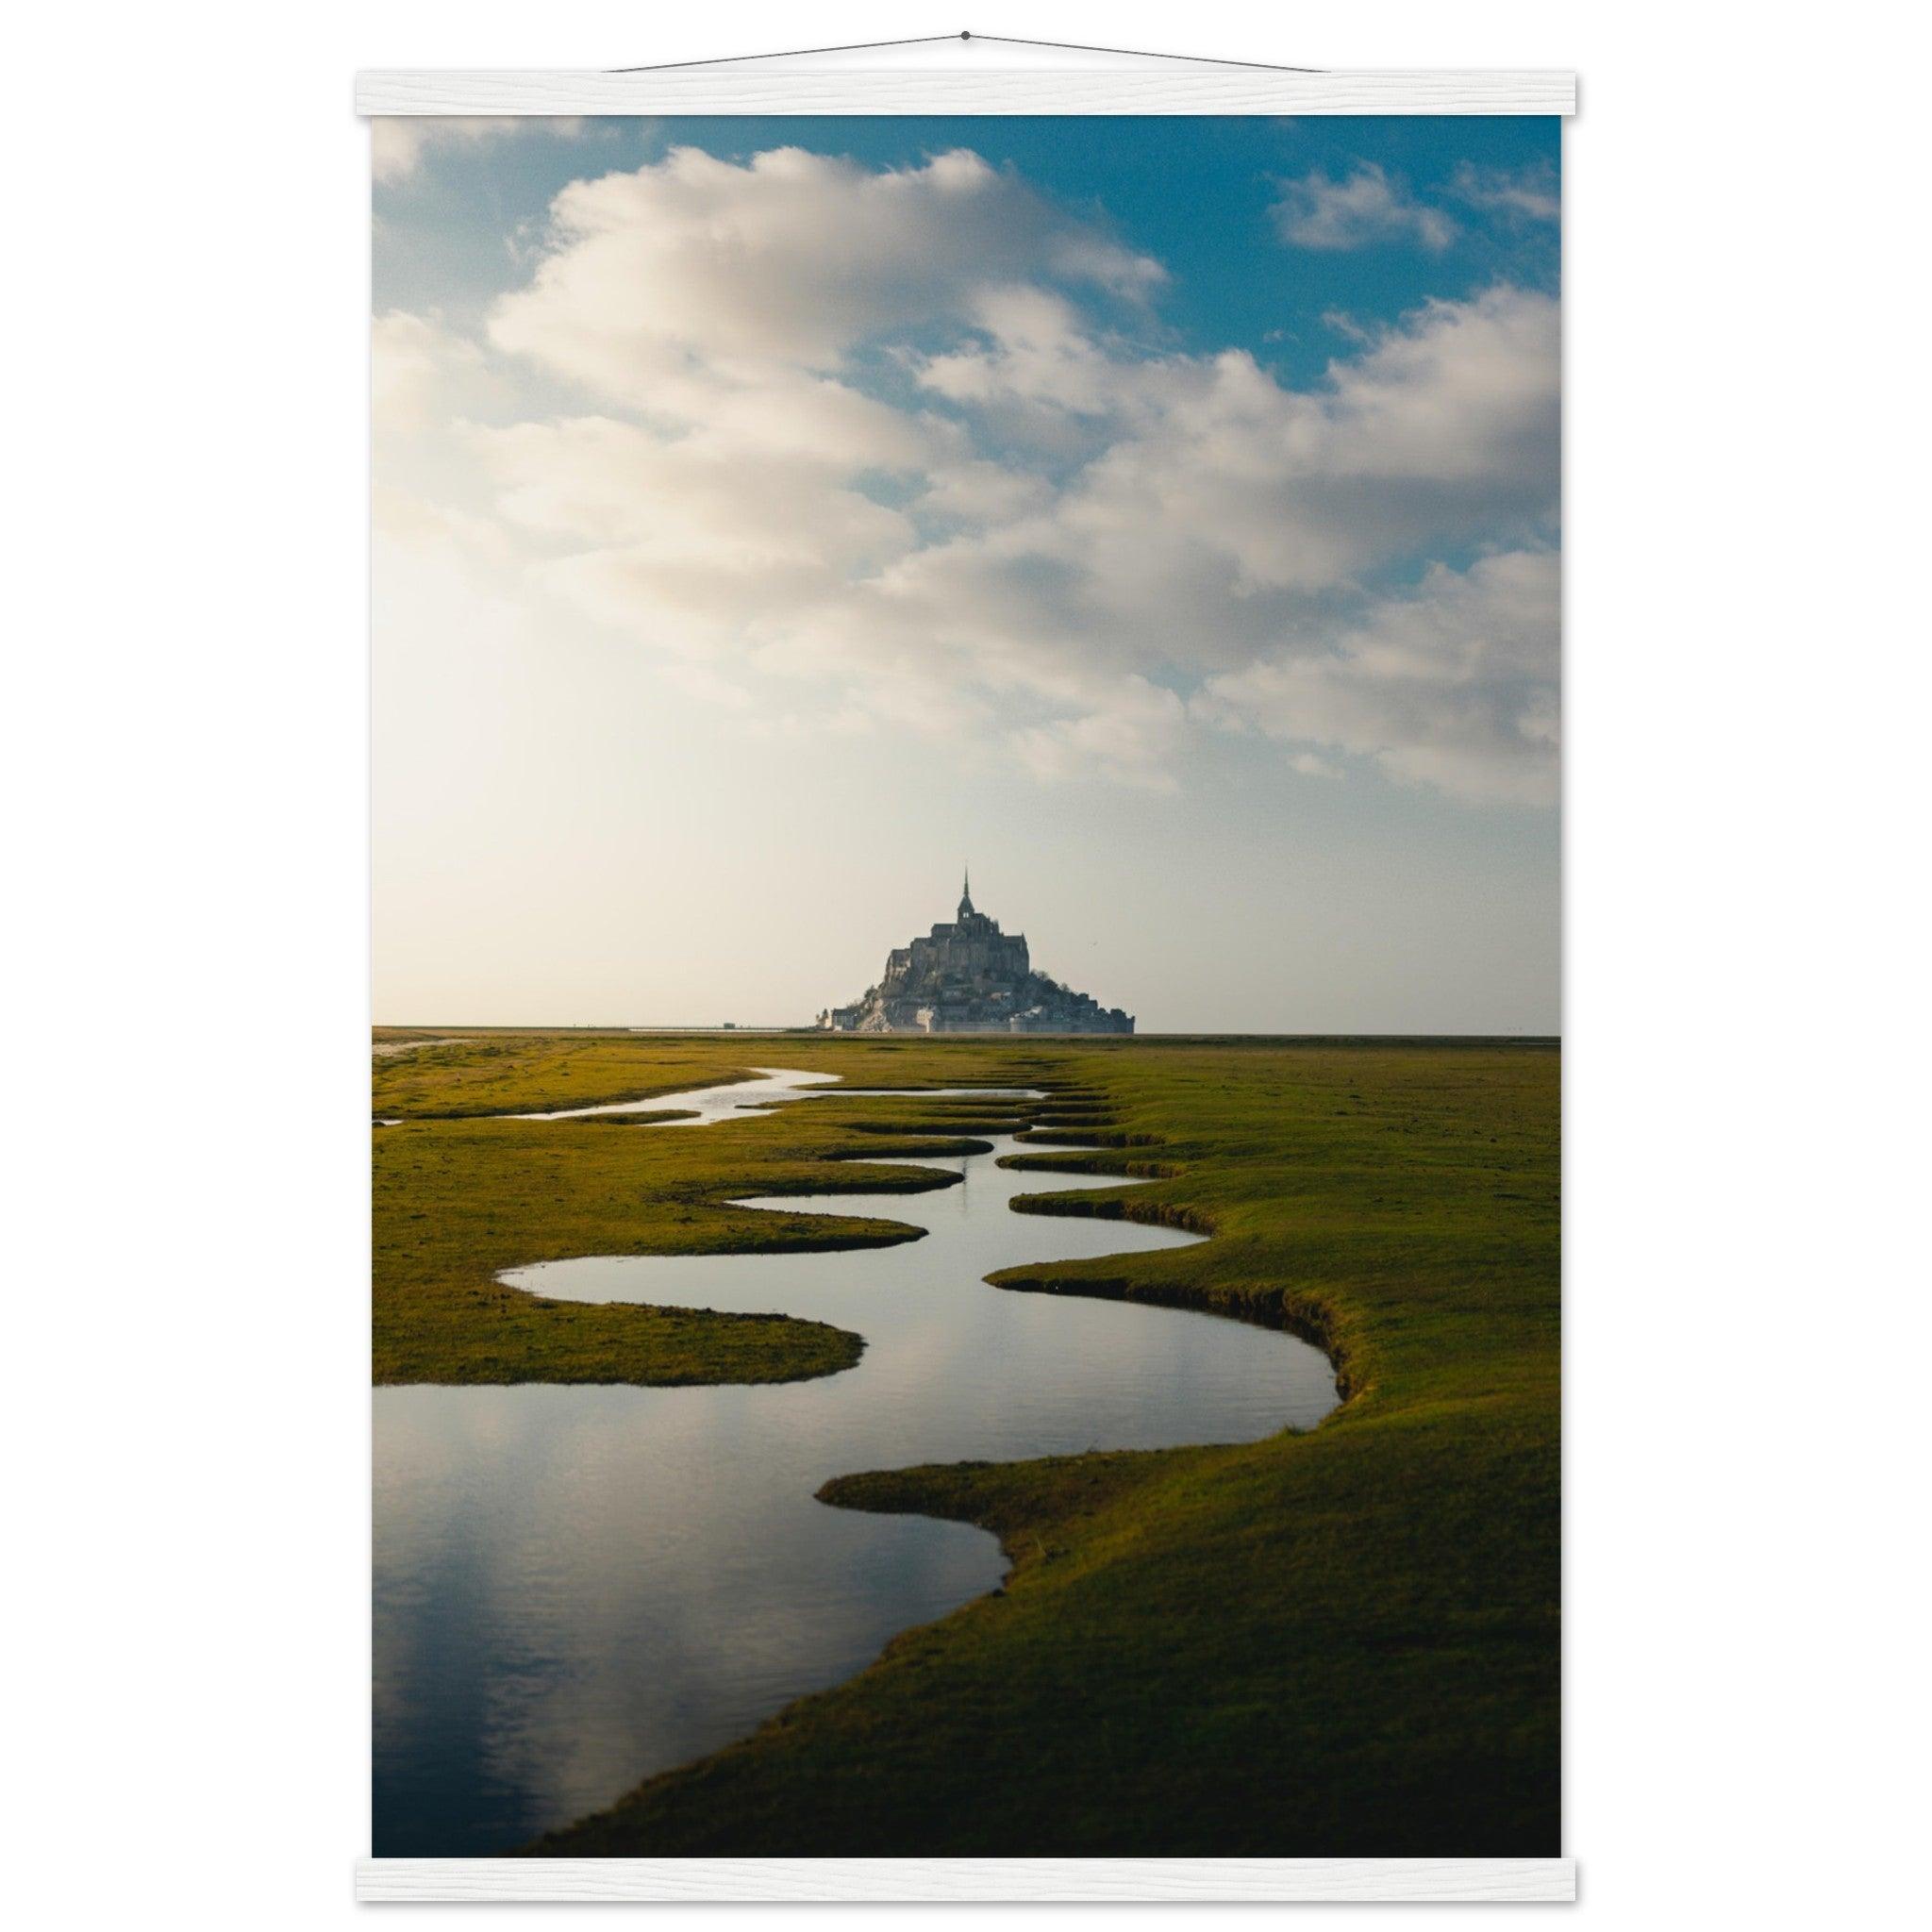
column 1129, row 735
column 1453, row 684
column 1526, row 194
column 421, row 373
column 425, row 379
column 788, row 260
column 977, row 492
column 696, row 543
column 1215, row 473
column 399, row 142
column 1360, row 210
column 851, row 449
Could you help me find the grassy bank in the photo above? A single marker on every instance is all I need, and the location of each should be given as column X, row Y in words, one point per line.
column 421, row 1075
column 1343, row 1642
column 459, row 1199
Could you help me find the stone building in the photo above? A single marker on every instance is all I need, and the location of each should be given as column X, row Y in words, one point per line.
column 969, row 976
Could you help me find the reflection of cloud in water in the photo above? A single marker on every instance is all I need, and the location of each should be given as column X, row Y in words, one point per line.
column 772, row 1086
column 578, row 1586
column 707, row 1103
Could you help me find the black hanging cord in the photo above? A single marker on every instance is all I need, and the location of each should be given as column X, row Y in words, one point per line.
column 928, row 40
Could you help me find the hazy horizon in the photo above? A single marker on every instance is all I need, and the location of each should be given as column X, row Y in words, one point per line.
column 773, row 516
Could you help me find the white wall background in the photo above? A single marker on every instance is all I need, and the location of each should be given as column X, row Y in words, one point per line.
column 185, row 778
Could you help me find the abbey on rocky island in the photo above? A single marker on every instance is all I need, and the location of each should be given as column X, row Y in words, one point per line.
column 970, row 978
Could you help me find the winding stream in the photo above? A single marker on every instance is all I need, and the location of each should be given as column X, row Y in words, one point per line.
column 704, row 1105
column 576, row 1587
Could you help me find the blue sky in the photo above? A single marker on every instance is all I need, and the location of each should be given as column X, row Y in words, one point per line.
column 1161, row 513
column 442, row 240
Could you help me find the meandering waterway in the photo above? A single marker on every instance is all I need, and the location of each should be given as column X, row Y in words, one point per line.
column 576, row 1586
column 705, row 1105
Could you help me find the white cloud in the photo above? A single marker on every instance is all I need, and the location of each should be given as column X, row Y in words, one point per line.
column 1215, row 498
column 423, row 378
column 977, row 492
column 420, row 523
column 420, row 372
column 1528, row 194
column 1364, row 208
column 788, row 260
column 695, row 545
column 398, row 142
column 1438, row 432
column 1030, row 346
column 1453, row 684
column 881, row 450
column 1129, row 735
column 692, row 498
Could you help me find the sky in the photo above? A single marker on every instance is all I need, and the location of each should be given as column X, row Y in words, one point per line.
column 772, row 516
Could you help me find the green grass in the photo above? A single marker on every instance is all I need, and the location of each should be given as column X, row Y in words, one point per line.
column 459, row 1199
column 495, row 1071
column 1337, row 1643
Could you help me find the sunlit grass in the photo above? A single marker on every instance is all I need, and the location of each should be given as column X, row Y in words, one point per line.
column 1337, row 1643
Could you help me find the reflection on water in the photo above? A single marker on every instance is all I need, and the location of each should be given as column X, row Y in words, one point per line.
column 772, row 1086
column 704, row 1106
column 707, row 1103
column 576, row 1586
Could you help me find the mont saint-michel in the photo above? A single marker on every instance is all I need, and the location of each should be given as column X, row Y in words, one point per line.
column 968, row 976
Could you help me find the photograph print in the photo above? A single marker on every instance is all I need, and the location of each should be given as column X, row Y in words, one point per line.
column 967, row 972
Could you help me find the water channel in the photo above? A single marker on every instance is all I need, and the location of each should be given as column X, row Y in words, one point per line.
column 578, row 1586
